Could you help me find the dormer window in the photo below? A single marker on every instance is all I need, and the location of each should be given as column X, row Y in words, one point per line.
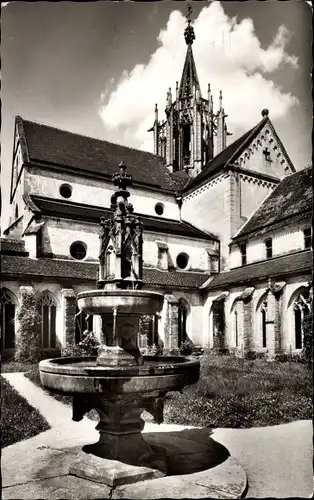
column 307, row 233
column 269, row 248
column 243, row 254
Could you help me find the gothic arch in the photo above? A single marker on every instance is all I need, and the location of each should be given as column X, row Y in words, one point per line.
column 299, row 305
column 8, row 304
column 261, row 320
column 47, row 306
column 235, row 323
column 262, row 299
column 183, row 320
column 296, row 294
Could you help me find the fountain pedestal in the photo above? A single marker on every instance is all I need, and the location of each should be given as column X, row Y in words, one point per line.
column 120, row 426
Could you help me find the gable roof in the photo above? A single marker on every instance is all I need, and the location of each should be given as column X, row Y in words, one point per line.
column 81, row 212
column 229, row 155
column 83, row 154
column 287, row 203
column 285, row 265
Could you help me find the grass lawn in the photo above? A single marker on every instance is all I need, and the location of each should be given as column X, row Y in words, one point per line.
column 232, row 394
column 19, row 420
column 252, row 394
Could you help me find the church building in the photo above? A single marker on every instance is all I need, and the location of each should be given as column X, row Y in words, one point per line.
column 226, row 228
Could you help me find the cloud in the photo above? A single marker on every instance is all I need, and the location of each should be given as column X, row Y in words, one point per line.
column 228, row 55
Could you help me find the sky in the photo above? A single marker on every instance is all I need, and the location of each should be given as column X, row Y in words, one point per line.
column 98, row 68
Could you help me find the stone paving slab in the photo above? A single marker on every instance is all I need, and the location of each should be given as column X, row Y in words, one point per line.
column 57, row 488
column 227, row 480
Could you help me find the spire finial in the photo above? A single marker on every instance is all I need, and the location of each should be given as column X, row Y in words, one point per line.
column 189, row 34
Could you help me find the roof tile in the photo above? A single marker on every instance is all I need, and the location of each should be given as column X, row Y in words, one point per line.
column 14, row 266
column 287, row 203
column 66, row 149
column 279, row 266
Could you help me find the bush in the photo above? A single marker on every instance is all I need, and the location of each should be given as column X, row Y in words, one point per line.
column 153, row 350
column 87, row 347
column 186, row 348
column 308, row 338
column 89, row 344
column 19, row 420
column 72, row 350
column 28, row 339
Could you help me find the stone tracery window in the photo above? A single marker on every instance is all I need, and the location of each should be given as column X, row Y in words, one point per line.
column 302, row 307
column 7, row 314
column 264, row 321
column 47, row 309
column 183, row 311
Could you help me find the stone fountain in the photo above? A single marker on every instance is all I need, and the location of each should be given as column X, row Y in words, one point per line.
column 119, row 383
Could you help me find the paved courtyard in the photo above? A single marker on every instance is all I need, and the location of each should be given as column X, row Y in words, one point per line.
column 277, row 460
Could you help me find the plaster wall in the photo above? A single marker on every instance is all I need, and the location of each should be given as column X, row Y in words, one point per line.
column 275, row 164
column 206, row 209
column 97, row 192
column 285, row 240
column 253, row 193
column 195, row 249
column 58, row 235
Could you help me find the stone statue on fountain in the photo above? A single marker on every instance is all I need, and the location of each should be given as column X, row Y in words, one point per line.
column 122, row 265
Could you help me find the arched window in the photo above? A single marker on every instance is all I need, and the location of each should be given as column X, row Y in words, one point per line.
column 264, row 321
column 7, row 314
column 47, row 308
column 236, row 328
column 82, row 322
column 183, row 312
column 302, row 307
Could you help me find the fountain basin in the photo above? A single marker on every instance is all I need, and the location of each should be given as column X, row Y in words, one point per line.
column 124, row 301
column 81, row 375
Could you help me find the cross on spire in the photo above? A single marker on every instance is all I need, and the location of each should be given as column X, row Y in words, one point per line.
column 189, row 34
column 190, row 10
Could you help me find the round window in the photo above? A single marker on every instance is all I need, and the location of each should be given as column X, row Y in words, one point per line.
column 78, row 250
column 66, row 190
column 159, row 208
column 182, row 260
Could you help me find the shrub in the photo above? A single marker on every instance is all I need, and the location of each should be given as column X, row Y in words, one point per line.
column 87, row 347
column 153, row 350
column 72, row 350
column 89, row 344
column 308, row 338
column 28, row 339
column 186, row 348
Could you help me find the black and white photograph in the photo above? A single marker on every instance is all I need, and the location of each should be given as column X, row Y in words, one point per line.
column 156, row 249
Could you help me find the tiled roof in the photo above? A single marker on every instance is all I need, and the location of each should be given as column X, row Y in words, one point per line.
column 76, row 211
column 87, row 271
column 52, row 146
column 226, row 156
column 289, row 202
column 10, row 247
column 277, row 267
